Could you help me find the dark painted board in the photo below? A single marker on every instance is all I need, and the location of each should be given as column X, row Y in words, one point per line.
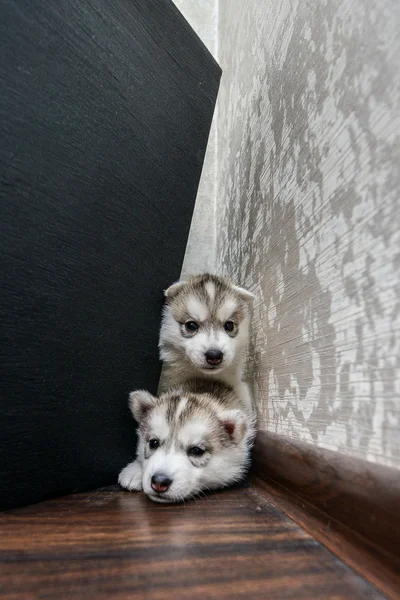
column 105, row 110
column 114, row 544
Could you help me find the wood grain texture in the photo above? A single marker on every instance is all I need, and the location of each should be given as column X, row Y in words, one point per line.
column 114, row 544
column 348, row 504
column 105, row 112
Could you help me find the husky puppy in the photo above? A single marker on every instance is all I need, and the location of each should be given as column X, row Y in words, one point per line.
column 197, row 435
column 205, row 332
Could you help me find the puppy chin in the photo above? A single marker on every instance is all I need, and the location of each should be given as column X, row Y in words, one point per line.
column 210, row 370
column 148, row 490
column 160, row 499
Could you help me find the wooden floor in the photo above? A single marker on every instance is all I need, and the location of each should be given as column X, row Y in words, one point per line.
column 115, row 544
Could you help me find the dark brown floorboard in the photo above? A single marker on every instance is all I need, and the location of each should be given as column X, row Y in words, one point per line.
column 115, row 544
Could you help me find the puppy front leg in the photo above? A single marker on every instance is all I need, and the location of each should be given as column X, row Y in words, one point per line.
column 130, row 477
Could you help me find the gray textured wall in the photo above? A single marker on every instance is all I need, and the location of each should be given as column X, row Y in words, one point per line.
column 308, row 213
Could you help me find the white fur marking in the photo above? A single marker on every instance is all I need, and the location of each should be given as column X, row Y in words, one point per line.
column 210, row 289
column 196, row 309
column 193, row 432
column 181, row 407
column 227, row 310
column 158, row 424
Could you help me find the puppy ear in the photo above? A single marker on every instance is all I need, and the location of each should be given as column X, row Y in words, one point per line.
column 173, row 289
column 244, row 294
column 235, row 423
column 140, row 402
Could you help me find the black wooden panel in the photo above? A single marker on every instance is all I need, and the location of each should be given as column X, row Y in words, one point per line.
column 105, row 109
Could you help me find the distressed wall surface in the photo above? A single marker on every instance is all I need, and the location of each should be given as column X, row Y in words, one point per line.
column 308, row 213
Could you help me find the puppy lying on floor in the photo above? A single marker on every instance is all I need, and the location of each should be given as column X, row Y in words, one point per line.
column 197, row 435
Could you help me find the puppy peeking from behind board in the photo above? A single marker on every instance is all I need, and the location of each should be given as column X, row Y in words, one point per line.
column 198, row 434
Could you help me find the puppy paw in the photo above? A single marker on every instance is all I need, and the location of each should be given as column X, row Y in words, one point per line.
column 130, row 478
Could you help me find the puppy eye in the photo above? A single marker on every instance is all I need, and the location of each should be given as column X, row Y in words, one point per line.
column 153, row 444
column 191, row 326
column 229, row 326
column 196, row 451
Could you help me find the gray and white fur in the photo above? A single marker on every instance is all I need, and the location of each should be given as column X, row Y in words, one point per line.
column 198, row 434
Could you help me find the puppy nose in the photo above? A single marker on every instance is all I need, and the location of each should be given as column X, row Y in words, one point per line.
column 160, row 482
column 214, row 357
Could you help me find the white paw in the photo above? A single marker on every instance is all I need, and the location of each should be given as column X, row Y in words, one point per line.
column 130, row 478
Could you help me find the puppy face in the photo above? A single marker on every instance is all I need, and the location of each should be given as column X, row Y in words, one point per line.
column 206, row 320
column 187, row 445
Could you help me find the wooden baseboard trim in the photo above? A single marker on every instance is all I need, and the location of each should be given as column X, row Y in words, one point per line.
column 349, row 505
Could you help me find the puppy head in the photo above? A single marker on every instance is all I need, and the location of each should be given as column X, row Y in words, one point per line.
column 188, row 443
column 206, row 322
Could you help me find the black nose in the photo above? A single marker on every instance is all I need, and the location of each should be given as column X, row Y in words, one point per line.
column 160, row 483
column 214, row 357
